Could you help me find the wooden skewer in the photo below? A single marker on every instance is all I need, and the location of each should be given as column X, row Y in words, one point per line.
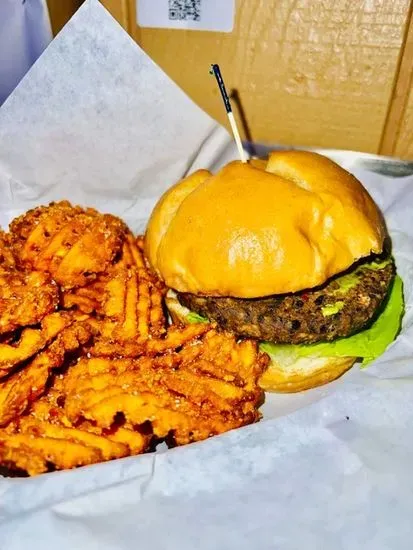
column 217, row 73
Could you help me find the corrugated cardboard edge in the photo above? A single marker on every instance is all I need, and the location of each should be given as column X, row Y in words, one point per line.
column 400, row 95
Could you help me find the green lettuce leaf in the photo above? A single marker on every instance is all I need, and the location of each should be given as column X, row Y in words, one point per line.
column 194, row 318
column 366, row 345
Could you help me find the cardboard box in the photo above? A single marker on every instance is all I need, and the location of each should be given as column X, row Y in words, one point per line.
column 330, row 74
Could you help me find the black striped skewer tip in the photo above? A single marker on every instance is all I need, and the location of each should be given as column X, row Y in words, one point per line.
column 217, row 73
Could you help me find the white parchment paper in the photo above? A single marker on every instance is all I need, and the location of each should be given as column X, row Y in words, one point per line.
column 96, row 122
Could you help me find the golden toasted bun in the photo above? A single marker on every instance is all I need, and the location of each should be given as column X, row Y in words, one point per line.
column 303, row 373
column 287, row 372
column 165, row 211
column 248, row 232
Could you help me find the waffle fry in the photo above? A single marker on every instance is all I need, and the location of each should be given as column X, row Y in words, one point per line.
column 174, row 338
column 54, row 443
column 70, row 243
column 7, row 259
column 89, row 368
column 137, row 442
column 128, row 313
column 15, row 457
column 25, row 298
column 17, row 450
column 189, row 395
column 85, row 304
column 109, row 448
column 49, row 411
column 31, row 341
column 128, row 298
column 136, row 251
column 24, row 387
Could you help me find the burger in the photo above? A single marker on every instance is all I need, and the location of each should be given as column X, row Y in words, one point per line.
column 292, row 252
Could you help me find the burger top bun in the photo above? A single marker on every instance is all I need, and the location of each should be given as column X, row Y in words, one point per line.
column 248, row 232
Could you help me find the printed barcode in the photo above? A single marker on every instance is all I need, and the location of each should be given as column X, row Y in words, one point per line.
column 185, row 10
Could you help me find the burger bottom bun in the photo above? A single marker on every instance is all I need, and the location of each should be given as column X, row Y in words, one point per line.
column 304, row 373
column 285, row 373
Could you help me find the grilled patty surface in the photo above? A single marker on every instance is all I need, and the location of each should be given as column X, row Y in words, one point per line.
column 341, row 307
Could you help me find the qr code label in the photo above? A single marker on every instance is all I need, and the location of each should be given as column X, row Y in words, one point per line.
column 196, row 15
column 184, row 10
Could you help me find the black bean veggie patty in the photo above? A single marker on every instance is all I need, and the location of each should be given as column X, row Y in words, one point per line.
column 342, row 306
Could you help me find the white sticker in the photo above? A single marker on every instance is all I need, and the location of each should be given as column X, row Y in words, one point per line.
column 197, row 15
